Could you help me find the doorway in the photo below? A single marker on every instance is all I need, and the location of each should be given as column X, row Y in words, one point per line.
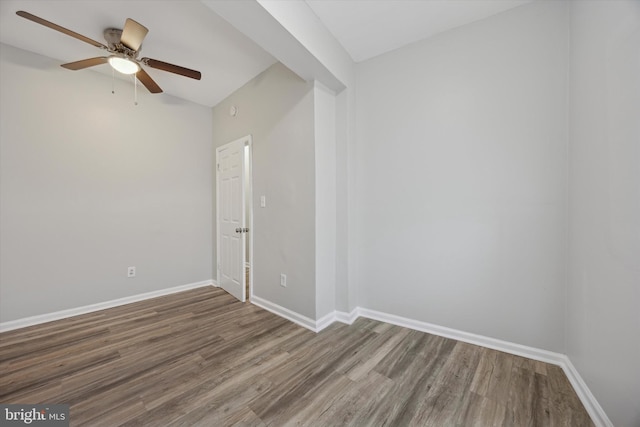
column 234, row 218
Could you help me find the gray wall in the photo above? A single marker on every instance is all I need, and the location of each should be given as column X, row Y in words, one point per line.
column 603, row 317
column 276, row 108
column 326, row 202
column 91, row 184
column 461, row 178
column 343, row 285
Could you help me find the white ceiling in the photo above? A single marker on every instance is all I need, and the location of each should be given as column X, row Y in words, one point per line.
column 367, row 28
column 181, row 32
column 188, row 33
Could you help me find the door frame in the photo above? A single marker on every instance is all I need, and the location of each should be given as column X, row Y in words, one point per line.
column 247, row 188
column 249, row 209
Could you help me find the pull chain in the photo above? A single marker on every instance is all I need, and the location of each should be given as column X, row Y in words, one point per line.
column 135, row 89
column 113, row 81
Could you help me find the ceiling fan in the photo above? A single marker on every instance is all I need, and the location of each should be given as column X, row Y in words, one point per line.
column 124, row 48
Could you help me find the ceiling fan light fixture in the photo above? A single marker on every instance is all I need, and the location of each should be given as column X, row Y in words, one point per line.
column 123, row 47
column 123, row 65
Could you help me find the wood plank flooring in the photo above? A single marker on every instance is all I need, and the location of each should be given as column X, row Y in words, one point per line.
column 199, row 358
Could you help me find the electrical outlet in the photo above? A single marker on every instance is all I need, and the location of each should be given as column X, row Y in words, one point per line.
column 283, row 280
column 131, row 272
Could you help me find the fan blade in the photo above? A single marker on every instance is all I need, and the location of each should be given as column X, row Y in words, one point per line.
column 148, row 82
column 85, row 63
column 165, row 66
column 133, row 34
column 56, row 27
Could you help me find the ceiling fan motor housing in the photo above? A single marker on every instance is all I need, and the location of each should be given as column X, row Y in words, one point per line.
column 112, row 36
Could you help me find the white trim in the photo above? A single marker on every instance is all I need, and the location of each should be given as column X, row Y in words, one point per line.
column 496, row 344
column 348, row 318
column 304, row 321
column 249, row 185
column 63, row 314
column 299, row 319
column 597, row 414
column 325, row 321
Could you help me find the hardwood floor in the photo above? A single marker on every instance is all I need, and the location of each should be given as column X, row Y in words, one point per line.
column 199, row 358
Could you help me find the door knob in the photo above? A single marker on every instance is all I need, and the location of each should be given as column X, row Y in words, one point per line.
column 238, row 230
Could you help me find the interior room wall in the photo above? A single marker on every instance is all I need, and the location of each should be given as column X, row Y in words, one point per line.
column 342, row 202
column 603, row 296
column 91, row 184
column 461, row 178
column 277, row 109
column 324, row 110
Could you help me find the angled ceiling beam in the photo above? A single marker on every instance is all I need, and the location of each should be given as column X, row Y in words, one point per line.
column 292, row 33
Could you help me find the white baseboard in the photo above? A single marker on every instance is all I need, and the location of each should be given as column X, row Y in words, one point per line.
column 348, row 318
column 597, row 414
column 304, row 321
column 63, row 314
column 336, row 316
column 325, row 321
column 481, row 340
column 296, row 318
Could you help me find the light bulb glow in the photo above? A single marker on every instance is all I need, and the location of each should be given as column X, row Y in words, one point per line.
column 123, row 65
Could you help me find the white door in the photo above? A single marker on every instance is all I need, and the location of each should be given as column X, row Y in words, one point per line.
column 230, row 208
